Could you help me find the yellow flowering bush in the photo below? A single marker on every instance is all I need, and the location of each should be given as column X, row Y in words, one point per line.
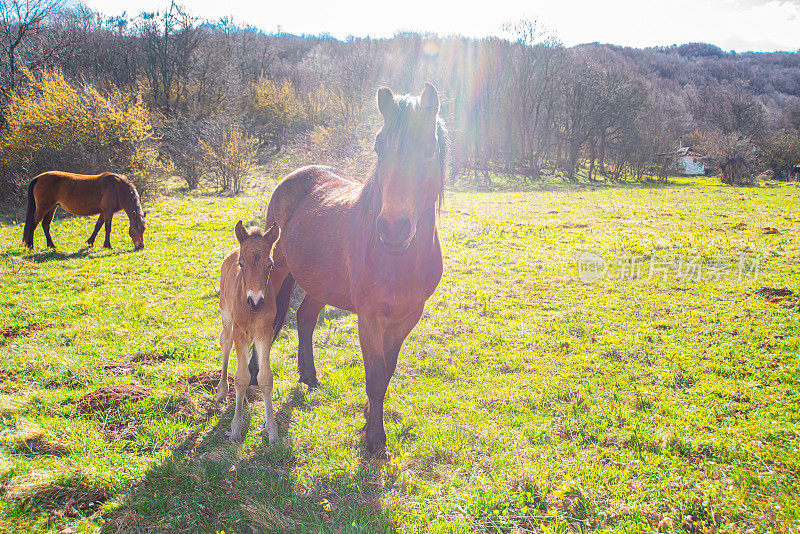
column 52, row 124
column 229, row 154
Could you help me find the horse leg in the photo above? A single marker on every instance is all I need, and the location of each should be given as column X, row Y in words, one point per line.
column 265, row 384
column 241, row 381
column 97, row 226
column 107, row 219
column 225, row 344
column 307, row 315
column 46, row 220
column 395, row 335
column 371, row 337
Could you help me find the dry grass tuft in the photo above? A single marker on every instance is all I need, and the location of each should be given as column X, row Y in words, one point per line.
column 26, row 437
column 265, row 518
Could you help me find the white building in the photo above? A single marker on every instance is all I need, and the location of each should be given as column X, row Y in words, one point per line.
column 686, row 161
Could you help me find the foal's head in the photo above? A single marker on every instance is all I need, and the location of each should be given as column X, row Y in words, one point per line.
column 411, row 151
column 255, row 262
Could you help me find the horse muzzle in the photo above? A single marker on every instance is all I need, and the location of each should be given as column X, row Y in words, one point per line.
column 255, row 304
column 396, row 236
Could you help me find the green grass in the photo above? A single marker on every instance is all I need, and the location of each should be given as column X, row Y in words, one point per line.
column 524, row 401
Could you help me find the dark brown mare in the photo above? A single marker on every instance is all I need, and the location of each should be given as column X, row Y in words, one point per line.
column 82, row 194
column 371, row 248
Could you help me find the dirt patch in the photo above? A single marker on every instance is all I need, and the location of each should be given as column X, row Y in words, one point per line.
column 114, row 366
column 20, row 330
column 574, row 225
column 770, row 231
column 7, row 376
column 110, row 397
column 775, row 294
column 126, row 430
column 740, row 226
column 209, row 380
column 151, row 357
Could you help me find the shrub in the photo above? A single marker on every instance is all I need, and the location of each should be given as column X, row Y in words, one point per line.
column 275, row 112
column 346, row 146
column 737, row 156
column 180, row 143
column 52, row 124
column 229, row 154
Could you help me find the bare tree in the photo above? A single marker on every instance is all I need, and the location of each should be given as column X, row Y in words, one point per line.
column 20, row 22
column 169, row 40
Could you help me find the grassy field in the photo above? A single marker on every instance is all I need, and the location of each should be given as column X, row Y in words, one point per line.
column 524, row 401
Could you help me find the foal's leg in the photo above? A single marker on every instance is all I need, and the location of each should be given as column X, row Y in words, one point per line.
column 265, row 384
column 96, row 231
column 46, row 220
column 307, row 315
column 225, row 343
column 108, row 217
column 241, row 381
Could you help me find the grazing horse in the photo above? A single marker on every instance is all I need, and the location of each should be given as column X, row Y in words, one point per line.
column 371, row 248
column 247, row 308
column 82, row 194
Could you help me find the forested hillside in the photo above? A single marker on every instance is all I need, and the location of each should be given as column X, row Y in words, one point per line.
column 220, row 97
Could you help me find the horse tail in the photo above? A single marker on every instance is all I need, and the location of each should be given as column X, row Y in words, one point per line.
column 27, row 233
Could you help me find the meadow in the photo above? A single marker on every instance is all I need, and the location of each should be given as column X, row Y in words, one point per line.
column 525, row 400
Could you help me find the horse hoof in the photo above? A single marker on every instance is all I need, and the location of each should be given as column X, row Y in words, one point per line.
column 312, row 382
column 271, row 433
column 379, row 453
column 236, row 431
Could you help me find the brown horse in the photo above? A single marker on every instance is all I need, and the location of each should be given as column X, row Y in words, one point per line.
column 81, row 194
column 247, row 308
column 371, row 248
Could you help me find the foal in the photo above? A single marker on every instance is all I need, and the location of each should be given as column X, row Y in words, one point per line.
column 247, row 308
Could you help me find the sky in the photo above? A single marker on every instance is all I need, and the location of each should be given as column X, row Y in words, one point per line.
column 740, row 25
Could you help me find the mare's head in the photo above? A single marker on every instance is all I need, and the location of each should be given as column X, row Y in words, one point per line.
column 411, row 148
column 255, row 262
column 136, row 215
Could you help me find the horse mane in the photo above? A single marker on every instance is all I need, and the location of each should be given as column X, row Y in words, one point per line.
column 137, row 205
column 396, row 127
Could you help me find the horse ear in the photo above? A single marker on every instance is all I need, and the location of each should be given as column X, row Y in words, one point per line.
column 273, row 233
column 386, row 102
column 429, row 99
column 241, row 232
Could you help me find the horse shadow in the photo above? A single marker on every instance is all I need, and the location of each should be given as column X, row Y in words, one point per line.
column 52, row 254
column 209, row 485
